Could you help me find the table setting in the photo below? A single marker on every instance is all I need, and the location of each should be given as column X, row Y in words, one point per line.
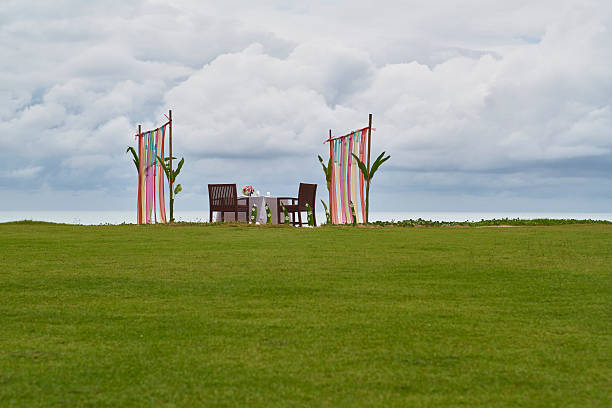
column 257, row 204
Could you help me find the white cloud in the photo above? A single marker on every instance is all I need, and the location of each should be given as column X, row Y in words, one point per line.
column 22, row 173
column 461, row 94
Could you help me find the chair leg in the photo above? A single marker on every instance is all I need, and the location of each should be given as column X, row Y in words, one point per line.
column 210, row 218
column 300, row 217
column 222, row 216
column 314, row 217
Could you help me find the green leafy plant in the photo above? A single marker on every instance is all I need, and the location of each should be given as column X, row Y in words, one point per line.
column 327, row 170
column 368, row 175
column 327, row 215
column 309, row 215
column 253, row 213
column 285, row 214
column 353, row 213
column 135, row 158
column 171, row 176
column 268, row 214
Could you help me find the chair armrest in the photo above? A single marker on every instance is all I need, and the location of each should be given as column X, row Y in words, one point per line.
column 243, row 198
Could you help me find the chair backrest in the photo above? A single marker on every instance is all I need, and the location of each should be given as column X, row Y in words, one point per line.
column 222, row 196
column 307, row 194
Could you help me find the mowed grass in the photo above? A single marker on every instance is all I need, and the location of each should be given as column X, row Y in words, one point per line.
column 258, row 316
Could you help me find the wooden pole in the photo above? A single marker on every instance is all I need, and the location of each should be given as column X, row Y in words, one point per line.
column 139, row 208
column 331, row 180
column 170, row 164
column 368, row 180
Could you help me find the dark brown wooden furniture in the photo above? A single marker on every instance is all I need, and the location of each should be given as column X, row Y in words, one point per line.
column 224, row 198
column 306, row 194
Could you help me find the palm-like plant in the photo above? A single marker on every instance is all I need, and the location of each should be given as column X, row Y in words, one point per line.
column 136, row 161
column 327, row 216
column 171, row 176
column 368, row 175
column 327, row 171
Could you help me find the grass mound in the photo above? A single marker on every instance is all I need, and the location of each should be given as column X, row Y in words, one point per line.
column 240, row 316
column 29, row 222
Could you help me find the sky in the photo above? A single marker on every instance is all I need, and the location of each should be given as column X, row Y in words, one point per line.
column 483, row 105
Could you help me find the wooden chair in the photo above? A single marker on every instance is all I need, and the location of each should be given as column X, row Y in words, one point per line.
column 306, row 194
column 224, row 198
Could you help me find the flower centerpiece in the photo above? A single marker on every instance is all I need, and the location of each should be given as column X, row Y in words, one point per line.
column 248, row 190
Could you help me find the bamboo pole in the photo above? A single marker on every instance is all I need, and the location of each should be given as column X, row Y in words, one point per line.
column 342, row 137
column 368, row 181
column 331, row 180
column 170, row 181
column 139, row 208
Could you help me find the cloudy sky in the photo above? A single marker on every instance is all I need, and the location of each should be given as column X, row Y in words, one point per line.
column 483, row 105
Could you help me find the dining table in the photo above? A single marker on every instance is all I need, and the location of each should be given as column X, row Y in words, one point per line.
column 260, row 201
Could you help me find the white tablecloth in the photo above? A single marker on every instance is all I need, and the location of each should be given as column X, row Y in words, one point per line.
column 261, row 210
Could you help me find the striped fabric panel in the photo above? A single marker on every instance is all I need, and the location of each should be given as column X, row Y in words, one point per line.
column 362, row 157
column 151, row 191
column 162, row 192
column 349, row 164
column 149, row 165
column 346, row 180
column 339, row 183
column 154, row 174
column 343, row 178
column 146, row 189
column 149, row 178
column 140, row 172
column 332, row 199
column 355, row 174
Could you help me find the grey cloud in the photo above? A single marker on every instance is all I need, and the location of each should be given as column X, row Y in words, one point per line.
column 485, row 99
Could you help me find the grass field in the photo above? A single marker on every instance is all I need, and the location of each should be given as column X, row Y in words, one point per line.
column 271, row 316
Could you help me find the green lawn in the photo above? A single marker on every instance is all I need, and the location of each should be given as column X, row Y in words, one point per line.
column 228, row 315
